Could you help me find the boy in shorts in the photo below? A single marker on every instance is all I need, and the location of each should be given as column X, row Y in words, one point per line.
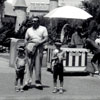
column 57, row 66
column 20, row 64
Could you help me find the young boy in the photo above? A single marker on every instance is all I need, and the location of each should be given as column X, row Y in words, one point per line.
column 57, row 66
column 20, row 64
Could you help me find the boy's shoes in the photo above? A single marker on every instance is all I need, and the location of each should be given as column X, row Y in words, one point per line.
column 17, row 89
column 61, row 91
column 21, row 90
column 55, row 90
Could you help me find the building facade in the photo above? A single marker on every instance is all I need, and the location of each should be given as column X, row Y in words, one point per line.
column 38, row 9
column 20, row 10
column 35, row 8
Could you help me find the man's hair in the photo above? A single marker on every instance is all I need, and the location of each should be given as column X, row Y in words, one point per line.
column 37, row 18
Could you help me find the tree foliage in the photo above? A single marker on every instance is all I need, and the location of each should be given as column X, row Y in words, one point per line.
column 1, row 10
column 93, row 7
column 7, row 32
column 2, row 1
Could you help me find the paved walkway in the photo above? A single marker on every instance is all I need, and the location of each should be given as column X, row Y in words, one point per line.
column 75, row 87
column 4, row 63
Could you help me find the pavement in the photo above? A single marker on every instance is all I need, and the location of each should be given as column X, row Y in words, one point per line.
column 76, row 87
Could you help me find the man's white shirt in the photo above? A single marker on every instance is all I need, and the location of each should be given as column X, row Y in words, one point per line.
column 36, row 35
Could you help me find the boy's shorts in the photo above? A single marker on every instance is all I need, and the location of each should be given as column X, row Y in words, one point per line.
column 58, row 71
column 20, row 74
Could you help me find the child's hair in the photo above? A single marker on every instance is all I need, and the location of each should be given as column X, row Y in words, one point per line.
column 58, row 44
column 21, row 49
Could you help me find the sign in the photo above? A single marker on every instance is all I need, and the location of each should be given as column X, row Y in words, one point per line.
column 39, row 6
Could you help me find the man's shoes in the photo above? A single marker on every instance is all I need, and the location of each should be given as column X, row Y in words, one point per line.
column 26, row 87
column 38, row 85
column 28, row 84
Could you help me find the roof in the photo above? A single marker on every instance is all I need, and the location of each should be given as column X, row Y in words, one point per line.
column 20, row 3
column 9, row 10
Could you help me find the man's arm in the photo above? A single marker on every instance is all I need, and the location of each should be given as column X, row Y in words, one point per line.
column 45, row 37
column 26, row 38
column 44, row 40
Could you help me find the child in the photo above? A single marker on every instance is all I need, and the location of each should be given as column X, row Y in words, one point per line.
column 20, row 68
column 57, row 67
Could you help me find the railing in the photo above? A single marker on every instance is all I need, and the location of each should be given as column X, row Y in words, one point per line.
column 74, row 58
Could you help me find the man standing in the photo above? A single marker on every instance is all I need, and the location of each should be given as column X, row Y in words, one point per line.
column 35, row 37
column 95, row 49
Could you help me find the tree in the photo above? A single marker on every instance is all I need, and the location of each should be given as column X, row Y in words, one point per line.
column 1, row 10
column 92, row 7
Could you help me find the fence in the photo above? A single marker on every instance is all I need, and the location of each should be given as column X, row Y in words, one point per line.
column 75, row 59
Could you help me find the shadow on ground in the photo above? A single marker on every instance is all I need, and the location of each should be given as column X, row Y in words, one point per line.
column 76, row 74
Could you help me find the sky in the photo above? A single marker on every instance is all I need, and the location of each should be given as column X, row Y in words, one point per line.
column 67, row 2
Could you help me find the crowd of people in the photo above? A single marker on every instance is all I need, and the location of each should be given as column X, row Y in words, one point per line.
column 30, row 56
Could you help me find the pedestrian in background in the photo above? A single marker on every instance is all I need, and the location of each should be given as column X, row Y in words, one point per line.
column 20, row 64
column 35, row 37
column 77, row 38
column 97, row 40
column 95, row 49
column 57, row 67
column 65, row 33
column 92, row 29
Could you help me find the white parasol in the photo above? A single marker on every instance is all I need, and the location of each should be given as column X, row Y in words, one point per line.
column 70, row 12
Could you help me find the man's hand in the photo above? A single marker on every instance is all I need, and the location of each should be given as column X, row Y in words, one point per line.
column 38, row 44
column 17, row 69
